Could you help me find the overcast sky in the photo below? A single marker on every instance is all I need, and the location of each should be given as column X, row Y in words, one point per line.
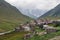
column 39, row 4
column 44, row 5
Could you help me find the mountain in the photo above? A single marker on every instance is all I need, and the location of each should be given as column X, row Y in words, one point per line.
column 33, row 13
column 55, row 12
column 27, row 12
column 10, row 16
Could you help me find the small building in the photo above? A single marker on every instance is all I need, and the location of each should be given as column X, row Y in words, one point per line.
column 27, row 36
column 32, row 23
column 50, row 30
column 39, row 21
column 19, row 28
column 26, row 27
column 47, row 21
column 23, row 27
column 56, row 23
column 45, row 27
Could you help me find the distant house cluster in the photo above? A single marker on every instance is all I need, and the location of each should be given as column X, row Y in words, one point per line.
column 30, row 26
column 26, row 27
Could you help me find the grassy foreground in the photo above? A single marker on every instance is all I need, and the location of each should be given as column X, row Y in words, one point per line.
column 19, row 36
column 13, row 36
column 45, row 37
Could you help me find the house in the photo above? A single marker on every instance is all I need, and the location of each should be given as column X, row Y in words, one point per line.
column 49, row 29
column 39, row 21
column 32, row 23
column 26, row 27
column 57, row 23
column 19, row 28
column 47, row 21
column 27, row 36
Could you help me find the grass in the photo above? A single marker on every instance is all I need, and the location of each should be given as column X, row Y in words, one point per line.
column 45, row 37
column 19, row 36
column 38, row 29
column 6, row 24
column 13, row 36
column 10, row 16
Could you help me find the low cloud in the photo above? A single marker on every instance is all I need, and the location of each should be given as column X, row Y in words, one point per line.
column 43, row 5
column 39, row 4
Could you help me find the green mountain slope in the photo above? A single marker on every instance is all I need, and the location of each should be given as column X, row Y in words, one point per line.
column 55, row 12
column 10, row 16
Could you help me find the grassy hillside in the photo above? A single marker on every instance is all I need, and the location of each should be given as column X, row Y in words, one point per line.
column 10, row 16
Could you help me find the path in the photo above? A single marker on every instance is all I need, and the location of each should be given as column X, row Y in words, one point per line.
column 6, row 32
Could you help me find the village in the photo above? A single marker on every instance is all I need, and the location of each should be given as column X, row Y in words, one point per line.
column 32, row 28
column 41, row 24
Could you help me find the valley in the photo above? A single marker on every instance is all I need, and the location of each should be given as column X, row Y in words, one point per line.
column 15, row 25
